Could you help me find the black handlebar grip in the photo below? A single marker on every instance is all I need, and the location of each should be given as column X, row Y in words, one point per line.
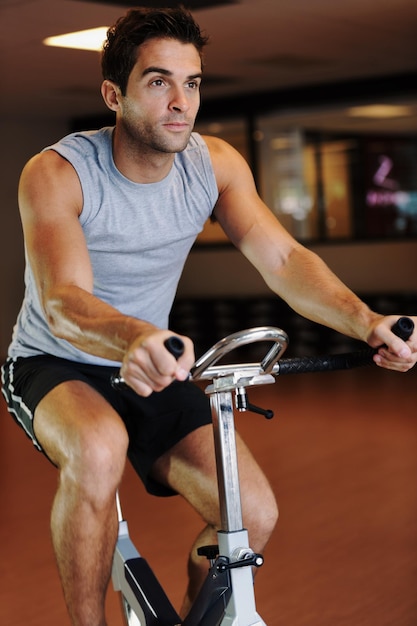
column 175, row 346
column 403, row 328
column 329, row 363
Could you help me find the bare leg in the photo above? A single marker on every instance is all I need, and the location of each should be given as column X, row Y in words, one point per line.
column 83, row 541
column 190, row 469
column 86, row 439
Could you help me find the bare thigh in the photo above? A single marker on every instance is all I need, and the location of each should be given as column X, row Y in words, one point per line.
column 190, row 469
column 76, row 426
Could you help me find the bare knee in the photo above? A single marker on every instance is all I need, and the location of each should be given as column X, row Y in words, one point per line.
column 259, row 505
column 94, row 464
column 260, row 516
column 85, row 438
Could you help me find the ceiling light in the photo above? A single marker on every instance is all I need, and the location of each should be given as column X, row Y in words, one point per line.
column 380, row 111
column 91, row 39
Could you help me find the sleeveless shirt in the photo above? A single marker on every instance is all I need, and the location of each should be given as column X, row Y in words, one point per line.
column 138, row 237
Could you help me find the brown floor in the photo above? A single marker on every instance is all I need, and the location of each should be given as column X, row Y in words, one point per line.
column 341, row 454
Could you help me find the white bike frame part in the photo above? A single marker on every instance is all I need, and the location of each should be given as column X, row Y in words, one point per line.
column 233, row 539
column 228, row 381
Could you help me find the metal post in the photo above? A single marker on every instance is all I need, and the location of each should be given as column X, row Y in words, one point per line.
column 226, row 457
column 233, row 538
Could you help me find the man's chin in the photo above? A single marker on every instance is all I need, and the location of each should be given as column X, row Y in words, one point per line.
column 174, row 146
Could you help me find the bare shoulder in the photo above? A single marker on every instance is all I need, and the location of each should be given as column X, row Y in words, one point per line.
column 228, row 164
column 221, row 151
column 216, row 145
column 47, row 164
column 49, row 179
column 50, row 202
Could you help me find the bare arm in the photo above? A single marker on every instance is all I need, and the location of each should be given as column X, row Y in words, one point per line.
column 293, row 272
column 50, row 200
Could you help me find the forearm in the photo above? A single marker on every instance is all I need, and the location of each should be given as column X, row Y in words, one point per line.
column 91, row 325
column 306, row 283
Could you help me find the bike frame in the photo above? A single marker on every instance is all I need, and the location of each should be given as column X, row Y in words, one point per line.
column 227, row 596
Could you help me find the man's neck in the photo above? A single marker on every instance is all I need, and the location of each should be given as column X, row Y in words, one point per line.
column 140, row 164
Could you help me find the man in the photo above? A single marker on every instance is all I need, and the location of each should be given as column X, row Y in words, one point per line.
column 109, row 218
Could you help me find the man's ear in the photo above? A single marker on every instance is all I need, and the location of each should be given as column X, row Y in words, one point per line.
column 111, row 93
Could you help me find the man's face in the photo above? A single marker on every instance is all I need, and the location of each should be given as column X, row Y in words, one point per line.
column 162, row 96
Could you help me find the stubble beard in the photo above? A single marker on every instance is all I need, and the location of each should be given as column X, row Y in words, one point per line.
column 144, row 138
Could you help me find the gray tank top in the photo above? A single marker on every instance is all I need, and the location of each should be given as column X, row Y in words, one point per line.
column 138, row 237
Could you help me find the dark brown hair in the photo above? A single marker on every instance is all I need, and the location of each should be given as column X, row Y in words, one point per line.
column 120, row 51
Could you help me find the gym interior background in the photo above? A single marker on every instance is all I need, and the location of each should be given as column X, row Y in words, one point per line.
column 321, row 98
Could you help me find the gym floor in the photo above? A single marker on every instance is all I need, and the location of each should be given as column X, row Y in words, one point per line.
column 341, row 454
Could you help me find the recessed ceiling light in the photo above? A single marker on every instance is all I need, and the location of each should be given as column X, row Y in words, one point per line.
column 380, row 111
column 91, row 39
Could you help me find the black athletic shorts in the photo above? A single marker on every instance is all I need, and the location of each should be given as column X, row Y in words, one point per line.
column 154, row 424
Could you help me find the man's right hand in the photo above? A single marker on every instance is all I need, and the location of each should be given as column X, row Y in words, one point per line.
column 148, row 366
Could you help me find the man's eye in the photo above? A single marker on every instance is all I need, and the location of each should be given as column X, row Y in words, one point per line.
column 158, row 82
column 193, row 84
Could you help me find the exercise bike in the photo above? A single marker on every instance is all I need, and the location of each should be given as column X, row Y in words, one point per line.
column 227, row 596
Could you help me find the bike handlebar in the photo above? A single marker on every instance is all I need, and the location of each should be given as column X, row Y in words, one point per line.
column 205, row 369
column 403, row 328
column 242, row 338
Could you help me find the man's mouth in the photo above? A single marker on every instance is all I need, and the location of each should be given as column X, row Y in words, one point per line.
column 176, row 126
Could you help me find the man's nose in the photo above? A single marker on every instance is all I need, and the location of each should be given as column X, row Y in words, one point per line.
column 179, row 101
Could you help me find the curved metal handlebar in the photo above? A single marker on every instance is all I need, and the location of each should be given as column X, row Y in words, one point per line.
column 203, row 367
